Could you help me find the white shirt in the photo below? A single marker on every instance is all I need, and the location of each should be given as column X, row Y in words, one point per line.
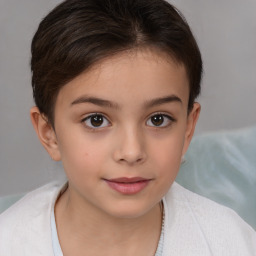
column 194, row 226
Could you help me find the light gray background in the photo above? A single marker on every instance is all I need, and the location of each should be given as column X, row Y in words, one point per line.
column 226, row 33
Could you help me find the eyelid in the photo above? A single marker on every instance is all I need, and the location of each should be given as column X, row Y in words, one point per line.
column 94, row 114
column 168, row 115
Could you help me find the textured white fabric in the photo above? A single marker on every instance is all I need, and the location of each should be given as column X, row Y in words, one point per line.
column 55, row 240
column 194, row 226
column 198, row 226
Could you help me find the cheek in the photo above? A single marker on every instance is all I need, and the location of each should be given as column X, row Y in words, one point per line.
column 81, row 156
column 167, row 156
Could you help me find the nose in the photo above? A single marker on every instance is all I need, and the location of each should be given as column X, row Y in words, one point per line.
column 130, row 148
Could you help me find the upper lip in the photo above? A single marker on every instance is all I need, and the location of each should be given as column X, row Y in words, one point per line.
column 127, row 180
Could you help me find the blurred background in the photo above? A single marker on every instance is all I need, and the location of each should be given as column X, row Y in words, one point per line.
column 226, row 34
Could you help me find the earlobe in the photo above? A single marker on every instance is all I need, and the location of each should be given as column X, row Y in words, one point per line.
column 45, row 133
column 191, row 125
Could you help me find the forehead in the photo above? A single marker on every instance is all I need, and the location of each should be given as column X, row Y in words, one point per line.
column 133, row 74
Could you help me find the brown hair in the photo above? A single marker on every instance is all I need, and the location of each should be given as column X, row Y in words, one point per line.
column 78, row 33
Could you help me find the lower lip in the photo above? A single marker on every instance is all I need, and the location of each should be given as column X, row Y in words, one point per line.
column 128, row 188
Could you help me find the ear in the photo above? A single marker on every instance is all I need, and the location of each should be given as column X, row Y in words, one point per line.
column 191, row 124
column 45, row 133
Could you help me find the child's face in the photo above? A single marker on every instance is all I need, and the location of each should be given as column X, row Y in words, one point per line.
column 124, row 119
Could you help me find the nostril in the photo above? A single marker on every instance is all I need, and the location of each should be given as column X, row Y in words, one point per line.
column 139, row 160
column 131, row 159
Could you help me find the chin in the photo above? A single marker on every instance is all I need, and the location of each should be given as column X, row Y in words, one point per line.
column 131, row 211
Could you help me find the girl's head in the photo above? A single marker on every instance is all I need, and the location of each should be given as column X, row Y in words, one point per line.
column 114, row 82
column 77, row 34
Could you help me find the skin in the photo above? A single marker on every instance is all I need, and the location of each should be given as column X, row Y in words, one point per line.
column 126, row 144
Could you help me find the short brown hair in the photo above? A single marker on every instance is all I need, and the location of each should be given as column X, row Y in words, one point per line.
column 78, row 33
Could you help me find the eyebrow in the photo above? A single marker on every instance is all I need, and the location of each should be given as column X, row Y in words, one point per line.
column 163, row 100
column 106, row 103
column 95, row 101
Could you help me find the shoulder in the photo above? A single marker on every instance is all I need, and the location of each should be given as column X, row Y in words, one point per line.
column 217, row 229
column 28, row 219
column 34, row 202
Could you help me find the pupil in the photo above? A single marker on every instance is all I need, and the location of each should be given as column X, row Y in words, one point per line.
column 96, row 120
column 157, row 120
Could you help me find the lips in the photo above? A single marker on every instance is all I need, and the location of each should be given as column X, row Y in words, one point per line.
column 128, row 186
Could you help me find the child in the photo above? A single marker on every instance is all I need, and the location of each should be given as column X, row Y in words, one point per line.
column 115, row 83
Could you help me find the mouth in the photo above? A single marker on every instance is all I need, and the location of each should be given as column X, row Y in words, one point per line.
column 128, row 186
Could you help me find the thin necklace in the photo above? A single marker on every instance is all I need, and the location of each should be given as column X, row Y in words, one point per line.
column 160, row 246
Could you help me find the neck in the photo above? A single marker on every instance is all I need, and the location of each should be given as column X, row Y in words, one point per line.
column 87, row 228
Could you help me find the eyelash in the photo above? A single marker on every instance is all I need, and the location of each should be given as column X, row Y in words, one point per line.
column 106, row 122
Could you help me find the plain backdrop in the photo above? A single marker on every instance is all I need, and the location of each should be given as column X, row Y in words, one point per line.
column 226, row 34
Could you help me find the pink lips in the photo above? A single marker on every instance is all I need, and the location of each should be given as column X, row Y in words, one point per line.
column 128, row 186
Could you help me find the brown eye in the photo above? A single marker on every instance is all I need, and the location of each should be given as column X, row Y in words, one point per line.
column 96, row 121
column 157, row 120
column 160, row 120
